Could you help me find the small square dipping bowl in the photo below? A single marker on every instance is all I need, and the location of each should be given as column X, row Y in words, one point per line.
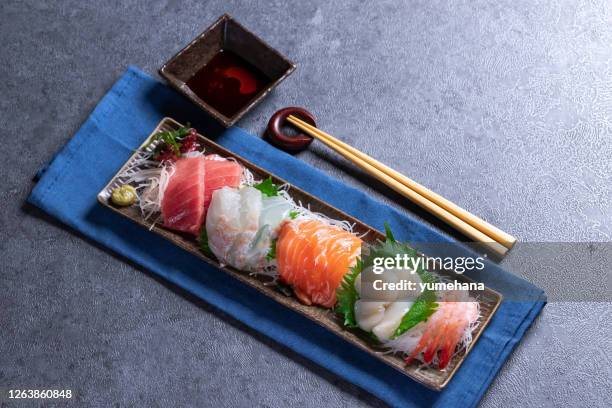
column 226, row 34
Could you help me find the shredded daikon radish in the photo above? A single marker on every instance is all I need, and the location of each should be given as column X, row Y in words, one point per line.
column 247, row 178
column 195, row 153
column 153, row 192
column 306, row 213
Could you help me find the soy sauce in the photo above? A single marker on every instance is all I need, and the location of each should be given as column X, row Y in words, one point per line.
column 227, row 82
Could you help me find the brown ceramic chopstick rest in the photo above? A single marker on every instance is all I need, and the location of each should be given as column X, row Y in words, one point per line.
column 289, row 143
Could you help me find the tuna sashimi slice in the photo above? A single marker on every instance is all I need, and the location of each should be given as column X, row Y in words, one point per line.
column 183, row 202
column 220, row 173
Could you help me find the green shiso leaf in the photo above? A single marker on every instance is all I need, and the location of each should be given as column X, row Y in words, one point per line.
column 293, row 214
column 425, row 304
column 423, row 307
column 346, row 295
column 204, row 244
column 388, row 233
column 272, row 251
column 267, row 187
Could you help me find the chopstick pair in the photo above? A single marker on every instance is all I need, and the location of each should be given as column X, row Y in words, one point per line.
column 493, row 239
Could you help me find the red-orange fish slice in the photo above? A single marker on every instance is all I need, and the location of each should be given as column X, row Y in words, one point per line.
column 292, row 258
column 182, row 206
column 313, row 257
column 335, row 259
column 220, row 172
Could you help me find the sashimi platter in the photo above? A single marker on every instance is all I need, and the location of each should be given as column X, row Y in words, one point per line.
column 303, row 253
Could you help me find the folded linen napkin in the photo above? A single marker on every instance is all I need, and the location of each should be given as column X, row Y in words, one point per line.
column 67, row 190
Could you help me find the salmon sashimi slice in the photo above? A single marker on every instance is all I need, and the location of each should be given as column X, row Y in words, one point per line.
column 182, row 206
column 220, row 172
column 313, row 257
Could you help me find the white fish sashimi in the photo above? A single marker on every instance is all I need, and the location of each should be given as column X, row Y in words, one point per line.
column 241, row 225
column 274, row 210
column 250, row 212
column 256, row 257
column 223, row 222
column 250, row 208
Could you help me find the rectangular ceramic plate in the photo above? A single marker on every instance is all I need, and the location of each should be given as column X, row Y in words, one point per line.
column 432, row 378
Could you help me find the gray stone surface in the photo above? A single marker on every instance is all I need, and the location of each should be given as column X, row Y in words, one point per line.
column 504, row 107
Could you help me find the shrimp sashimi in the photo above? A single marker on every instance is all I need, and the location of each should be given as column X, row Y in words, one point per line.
column 313, row 257
column 435, row 340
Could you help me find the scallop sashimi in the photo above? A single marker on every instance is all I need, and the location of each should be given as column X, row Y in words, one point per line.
column 381, row 311
column 220, row 172
column 182, row 206
column 313, row 257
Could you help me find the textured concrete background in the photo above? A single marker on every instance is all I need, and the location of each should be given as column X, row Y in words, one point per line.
column 504, row 106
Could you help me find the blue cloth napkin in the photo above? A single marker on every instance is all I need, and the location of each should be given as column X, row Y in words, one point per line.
column 68, row 187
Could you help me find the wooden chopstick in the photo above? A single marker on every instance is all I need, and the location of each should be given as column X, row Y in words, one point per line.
column 475, row 228
column 498, row 235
